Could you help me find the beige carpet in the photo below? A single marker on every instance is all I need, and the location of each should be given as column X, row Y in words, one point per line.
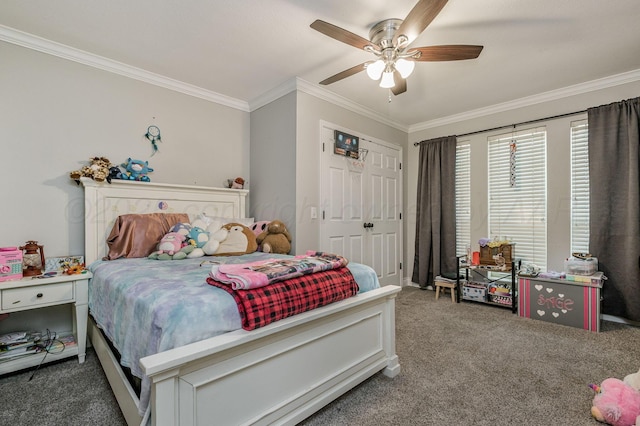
column 462, row 364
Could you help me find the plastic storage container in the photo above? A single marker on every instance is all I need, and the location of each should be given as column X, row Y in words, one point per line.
column 575, row 266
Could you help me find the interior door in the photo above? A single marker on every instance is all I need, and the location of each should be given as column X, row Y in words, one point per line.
column 361, row 206
column 383, row 209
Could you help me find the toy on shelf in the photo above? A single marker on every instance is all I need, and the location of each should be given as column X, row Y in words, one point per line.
column 136, row 170
column 237, row 183
column 98, row 170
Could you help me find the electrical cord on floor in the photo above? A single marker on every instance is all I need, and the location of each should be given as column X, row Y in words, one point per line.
column 48, row 344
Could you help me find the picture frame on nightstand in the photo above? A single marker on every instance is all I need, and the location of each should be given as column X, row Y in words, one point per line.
column 60, row 265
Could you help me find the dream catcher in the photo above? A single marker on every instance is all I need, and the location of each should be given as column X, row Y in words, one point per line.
column 153, row 135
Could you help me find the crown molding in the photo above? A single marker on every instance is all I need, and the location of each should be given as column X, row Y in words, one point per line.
column 273, row 94
column 552, row 95
column 30, row 41
column 324, row 94
column 318, row 92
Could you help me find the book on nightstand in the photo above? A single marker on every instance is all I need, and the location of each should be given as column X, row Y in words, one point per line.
column 68, row 340
column 17, row 344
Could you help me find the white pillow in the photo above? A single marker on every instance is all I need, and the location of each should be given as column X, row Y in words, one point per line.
column 246, row 221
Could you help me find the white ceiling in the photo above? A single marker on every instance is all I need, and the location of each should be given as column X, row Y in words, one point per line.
column 244, row 49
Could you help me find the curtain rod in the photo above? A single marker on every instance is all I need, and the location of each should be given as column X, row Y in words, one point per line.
column 553, row 117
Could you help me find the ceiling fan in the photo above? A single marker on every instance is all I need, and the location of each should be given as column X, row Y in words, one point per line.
column 389, row 40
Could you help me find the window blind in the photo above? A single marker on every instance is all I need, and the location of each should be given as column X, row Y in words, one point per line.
column 463, row 197
column 517, row 192
column 579, row 187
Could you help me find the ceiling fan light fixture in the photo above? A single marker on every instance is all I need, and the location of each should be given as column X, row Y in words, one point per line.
column 374, row 70
column 387, row 80
column 390, row 42
column 405, row 67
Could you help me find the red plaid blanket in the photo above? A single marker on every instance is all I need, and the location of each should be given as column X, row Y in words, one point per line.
column 261, row 306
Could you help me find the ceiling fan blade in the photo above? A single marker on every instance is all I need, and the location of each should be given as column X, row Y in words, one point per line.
column 401, row 84
column 341, row 34
column 419, row 18
column 344, row 74
column 452, row 52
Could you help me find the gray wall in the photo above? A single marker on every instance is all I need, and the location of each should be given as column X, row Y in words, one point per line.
column 56, row 114
column 285, row 150
column 558, row 155
column 273, row 162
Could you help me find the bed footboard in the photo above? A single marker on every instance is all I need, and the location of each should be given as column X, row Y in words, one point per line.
column 279, row 374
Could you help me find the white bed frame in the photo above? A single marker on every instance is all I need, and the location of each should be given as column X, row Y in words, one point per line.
column 279, row 374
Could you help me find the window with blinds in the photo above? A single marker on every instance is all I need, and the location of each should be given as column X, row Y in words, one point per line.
column 463, row 197
column 579, row 187
column 518, row 194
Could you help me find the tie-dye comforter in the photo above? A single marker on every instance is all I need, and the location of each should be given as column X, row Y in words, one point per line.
column 146, row 306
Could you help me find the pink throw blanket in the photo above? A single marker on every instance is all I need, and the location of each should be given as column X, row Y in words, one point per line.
column 264, row 272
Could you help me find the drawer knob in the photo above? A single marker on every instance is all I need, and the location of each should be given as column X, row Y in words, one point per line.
column 39, row 295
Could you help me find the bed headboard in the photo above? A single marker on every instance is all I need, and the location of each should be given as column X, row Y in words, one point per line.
column 104, row 202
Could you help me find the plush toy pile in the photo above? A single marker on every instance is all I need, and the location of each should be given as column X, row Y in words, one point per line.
column 205, row 236
column 617, row 402
column 98, row 170
column 101, row 169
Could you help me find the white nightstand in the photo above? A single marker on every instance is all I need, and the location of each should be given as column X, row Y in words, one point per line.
column 32, row 293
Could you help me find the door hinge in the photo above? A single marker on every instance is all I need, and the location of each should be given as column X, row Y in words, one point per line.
column 322, row 146
column 400, row 216
column 322, row 214
column 401, row 265
column 400, row 166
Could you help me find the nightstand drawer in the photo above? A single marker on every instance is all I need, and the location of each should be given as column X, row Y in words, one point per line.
column 28, row 297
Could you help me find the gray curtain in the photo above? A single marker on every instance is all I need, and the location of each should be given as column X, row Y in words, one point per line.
column 435, row 211
column 614, row 159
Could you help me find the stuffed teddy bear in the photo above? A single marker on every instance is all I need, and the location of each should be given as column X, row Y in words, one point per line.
column 616, row 403
column 136, row 170
column 275, row 239
column 98, row 170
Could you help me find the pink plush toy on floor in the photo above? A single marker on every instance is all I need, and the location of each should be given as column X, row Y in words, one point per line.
column 616, row 403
